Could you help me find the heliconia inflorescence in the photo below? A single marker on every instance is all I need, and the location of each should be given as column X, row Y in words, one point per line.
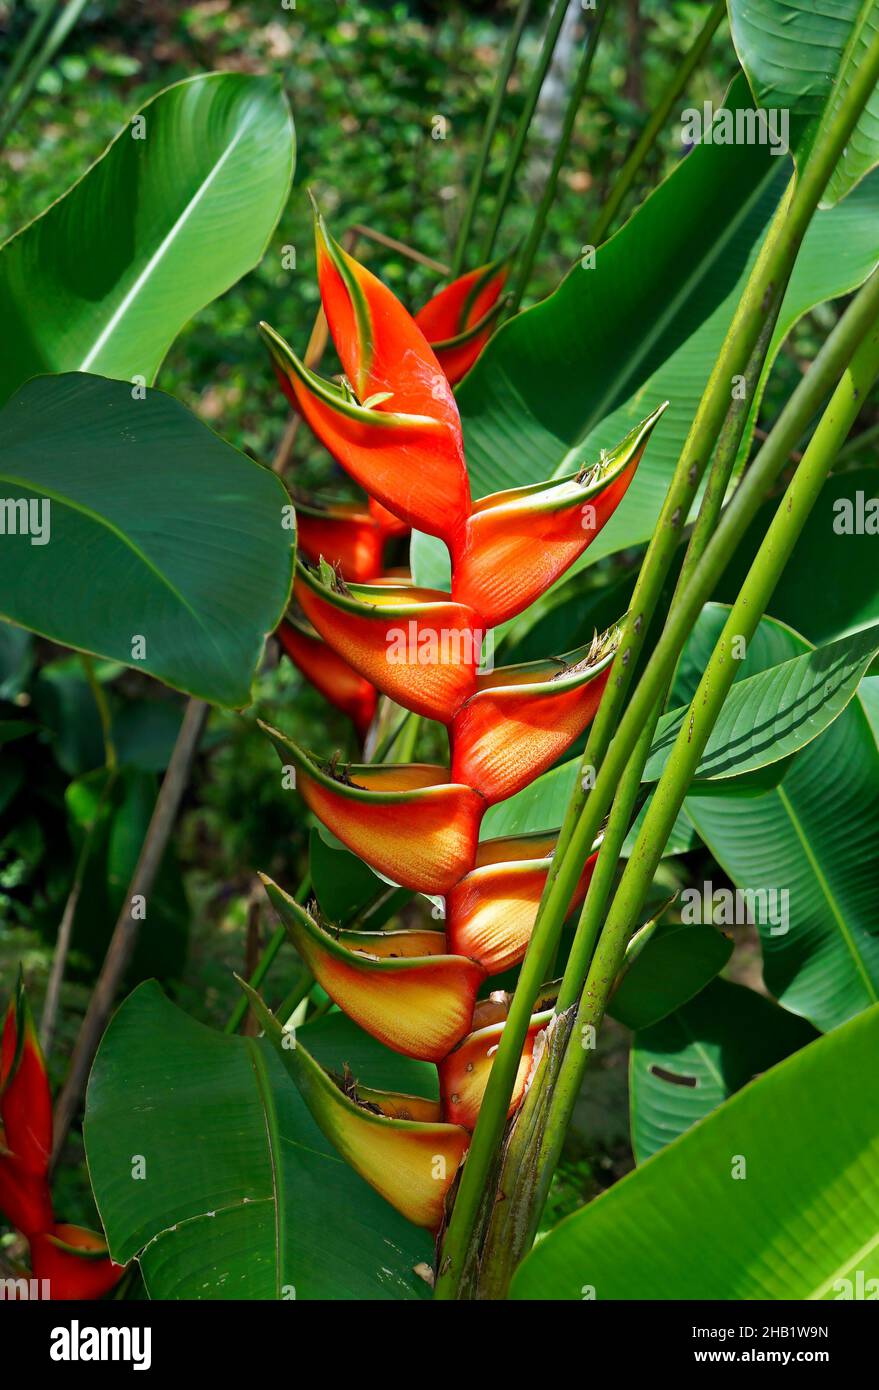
column 69, row 1261
column 393, row 425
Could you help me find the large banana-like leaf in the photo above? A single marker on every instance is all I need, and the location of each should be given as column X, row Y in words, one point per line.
column 775, row 1195
column 689, row 1063
column 811, row 840
column 178, row 208
column 800, row 58
column 134, row 532
column 241, row 1196
column 572, row 374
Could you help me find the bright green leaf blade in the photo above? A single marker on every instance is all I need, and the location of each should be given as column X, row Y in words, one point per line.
column 771, row 715
column 803, row 1219
column 800, row 57
column 179, row 207
column 809, row 845
column 242, row 1196
column 157, row 530
column 676, row 963
column 685, row 1066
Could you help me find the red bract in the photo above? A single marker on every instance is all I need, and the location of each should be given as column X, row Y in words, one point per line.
column 344, row 534
column 415, row 645
column 418, row 824
column 73, row 1260
column 413, row 464
column 330, row 674
column 518, row 543
column 458, row 321
column 523, row 718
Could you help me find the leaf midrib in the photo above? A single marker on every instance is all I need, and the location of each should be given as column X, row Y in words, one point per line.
column 157, row 256
column 823, row 884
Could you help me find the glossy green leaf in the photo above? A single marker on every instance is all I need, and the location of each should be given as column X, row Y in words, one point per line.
column 575, row 372
column 178, row 208
column 164, row 548
column 774, row 713
column 242, row 1196
column 800, row 58
column 796, row 1222
column 809, row 845
column 666, row 964
column 689, row 1063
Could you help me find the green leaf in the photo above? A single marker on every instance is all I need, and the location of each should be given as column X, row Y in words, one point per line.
column 578, row 370
column 771, row 715
column 342, row 883
column 157, row 530
column 685, row 1066
column 179, row 207
column 666, row 964
column 810, row 842
column 242, row 1197
column 800, row 58
column 801, row 1222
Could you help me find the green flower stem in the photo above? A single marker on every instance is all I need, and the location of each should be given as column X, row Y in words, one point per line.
column 264, row 963
column 532, row 96
column 578, row 830
column 523, row 270
column 647, row 139
column 61, row 28
column 22, row 57
column 488, row 133
column 627, row 791
column 742, row 623
column 525, row 1177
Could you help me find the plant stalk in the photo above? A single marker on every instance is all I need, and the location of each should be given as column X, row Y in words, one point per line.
column 532, row 96
column 526, row 261
column 126, row 931
column 264, row 963
column 745, row 616
column 767, row 279
column 649, row 135
column 488, row 133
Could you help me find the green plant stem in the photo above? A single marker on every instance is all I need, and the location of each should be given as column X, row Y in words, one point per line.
column 756, row 591
column 525, row 1177
column 62, row 27
column 767, row 279
column 627, row 790
column 296, row 995
column 100, row 699
column 264, row 963
column 40, row 24
column 526, row 261
column 647, row 139
column 488, row 133
column 532, row 96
